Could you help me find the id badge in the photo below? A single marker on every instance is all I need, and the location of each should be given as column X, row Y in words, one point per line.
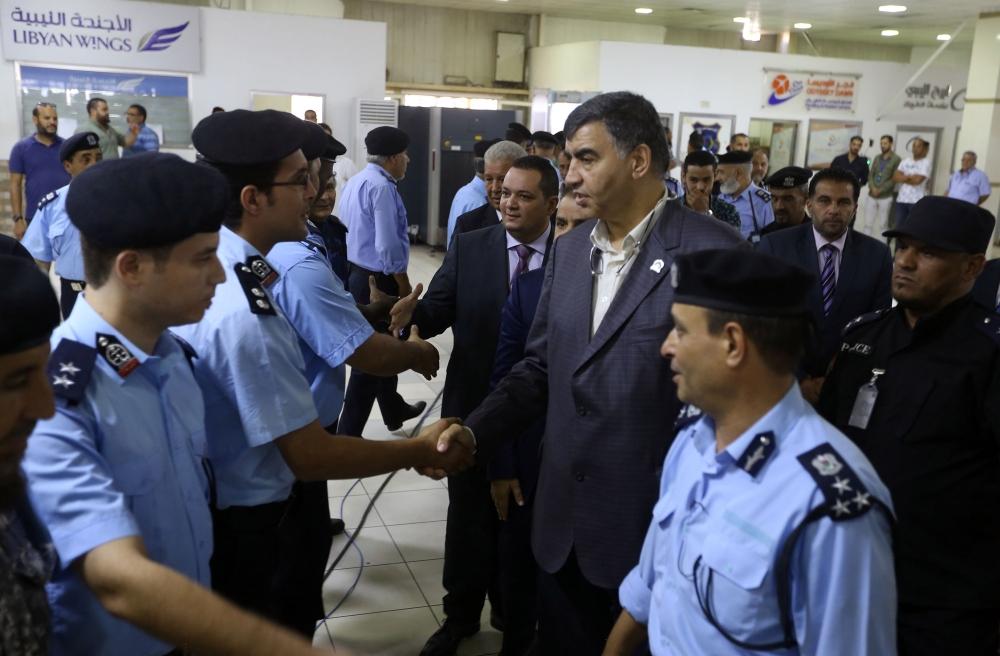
column 755, row 238
column 864, row 403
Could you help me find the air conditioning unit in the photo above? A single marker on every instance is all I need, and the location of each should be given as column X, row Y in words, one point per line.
column 368, row 115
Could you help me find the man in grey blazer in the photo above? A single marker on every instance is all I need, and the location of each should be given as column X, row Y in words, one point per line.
column 592, row 369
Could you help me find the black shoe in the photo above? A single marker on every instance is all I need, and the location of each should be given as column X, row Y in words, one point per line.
column 496, row 619
column 336, row 526
column 409, row 412
column 445, row 640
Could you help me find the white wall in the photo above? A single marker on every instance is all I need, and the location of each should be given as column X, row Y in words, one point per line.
column 684, row 79
column 554, row 31
column 244, row 51
column 567, row 67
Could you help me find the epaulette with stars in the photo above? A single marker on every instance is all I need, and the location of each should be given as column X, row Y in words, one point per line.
column 763, row 194
column 254, row 275
column 69, row 369
column 862, row 320
column 845, row 494
column 48, row 198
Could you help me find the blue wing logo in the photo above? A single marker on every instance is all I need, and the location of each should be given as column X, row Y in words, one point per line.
column 161, row 39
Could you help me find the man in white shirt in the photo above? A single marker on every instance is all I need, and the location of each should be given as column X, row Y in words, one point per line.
column 912, row 176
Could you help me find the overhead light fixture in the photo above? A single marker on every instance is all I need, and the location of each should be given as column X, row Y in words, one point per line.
column 741, row 19
column 643, row 10
column 802, row 26
column 944, row 37
column 751, row 32
column 890, row 32
column 892, row 9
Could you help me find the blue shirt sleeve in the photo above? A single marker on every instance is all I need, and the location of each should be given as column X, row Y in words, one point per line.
column 984, row 185
column 72, row 488
column 323, row 313
column 393, row 254
column 636, row 591
column 16, row 163
column 36, row 238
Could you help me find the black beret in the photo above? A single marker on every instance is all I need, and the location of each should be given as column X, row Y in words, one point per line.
column 517, row 132
column 948, row 223
column 480, row 147
column 744, row 282
column 789, row 177
column 736, row 157
column 544, row 137
column 146, row 201
column 316, row 141
column 27, row 295
column 386, row 140
column 244, row 138
column 76, row 143
column 334, row 149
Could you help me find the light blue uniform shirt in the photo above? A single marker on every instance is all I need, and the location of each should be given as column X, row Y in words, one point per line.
column 468, row 198
column 250, row 370
column 373, row 212
column 52, row 237
column 754, row 206
column 969, row 186
column 329, row 325
column 124, row 461
column 146, row 141
column 843, row 591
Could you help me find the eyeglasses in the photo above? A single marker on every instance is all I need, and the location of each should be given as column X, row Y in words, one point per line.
column 301, row 180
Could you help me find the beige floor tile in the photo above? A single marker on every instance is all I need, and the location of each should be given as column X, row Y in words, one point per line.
column 381, row 588
column 393, row 633
column 374, row 542
column 413, row 506
column 424, row 541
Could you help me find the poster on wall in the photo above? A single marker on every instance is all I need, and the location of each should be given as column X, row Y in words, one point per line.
column 142, row 35
column 715, row 130
column 805, row 91
column 828, row 139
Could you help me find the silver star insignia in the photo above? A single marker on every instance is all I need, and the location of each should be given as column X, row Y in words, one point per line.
column 841, row 508
column 843, row 486
column 862, row 499
column 68, row 368
column 62, row 381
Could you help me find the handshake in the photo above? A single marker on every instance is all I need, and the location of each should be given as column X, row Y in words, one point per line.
column 445, row 447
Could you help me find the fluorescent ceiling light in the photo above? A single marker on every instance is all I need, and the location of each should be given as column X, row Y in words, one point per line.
column 802, row 26
column 643, row 10
column 890, row 32
column 944, row 37
column 744, row 19
column 892, row 9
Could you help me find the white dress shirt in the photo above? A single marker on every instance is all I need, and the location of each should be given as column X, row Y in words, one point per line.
column 537, row 253
column 838, row 255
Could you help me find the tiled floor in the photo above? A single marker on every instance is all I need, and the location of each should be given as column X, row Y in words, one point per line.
column 396, row 604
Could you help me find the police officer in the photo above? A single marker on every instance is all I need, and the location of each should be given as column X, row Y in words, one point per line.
column 263, row 428
column 772, row 531
column 789, row 190
column 26, row 555
column 117, row 474
column 51, row 235
column 752, row 202
column 917, row 388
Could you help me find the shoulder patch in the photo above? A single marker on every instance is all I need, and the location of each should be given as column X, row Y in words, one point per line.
column 116, row 354
column 48, row 198
column 688, row 415
column 846, row 496
column 251, row 285
column 69, row 369
column 757, row 453
column 862, row 320
column 990, row 326
column 262, row 269
column 763, row 194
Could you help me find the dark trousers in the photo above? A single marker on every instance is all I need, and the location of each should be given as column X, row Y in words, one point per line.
column 363, row 389
column 948, row 632
column 470, row 548
column 902, row 211
column 575, row 616
column 68, row 291
column 518, row 581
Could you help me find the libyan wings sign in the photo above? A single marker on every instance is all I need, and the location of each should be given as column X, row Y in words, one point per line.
column 108, row 33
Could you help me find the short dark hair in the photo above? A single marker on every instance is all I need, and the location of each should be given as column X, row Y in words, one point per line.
column 97, row 262
column 139, row 108
column 700, row 158
column 857, row 137
column 835, row 175
column 310, row 110
column 737, row 136
column 630, row 119
column 218, row 109
column 780, row 340
column 887, row 136
column 696, row 139
column 34, row 111
column 260, row 176
column 92, row 103
column 549, row 182
column 326, row 128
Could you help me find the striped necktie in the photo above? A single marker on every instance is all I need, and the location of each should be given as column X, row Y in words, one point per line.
column 523, row 258
column 828, row 276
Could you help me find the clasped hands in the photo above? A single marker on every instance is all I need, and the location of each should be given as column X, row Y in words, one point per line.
column 449, row 449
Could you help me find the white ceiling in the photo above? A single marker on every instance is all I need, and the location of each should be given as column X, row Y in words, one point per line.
column 854, row 20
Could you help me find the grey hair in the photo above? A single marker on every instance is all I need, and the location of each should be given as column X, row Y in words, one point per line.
column 377, row 159
column 975, row 158
column 505, row 151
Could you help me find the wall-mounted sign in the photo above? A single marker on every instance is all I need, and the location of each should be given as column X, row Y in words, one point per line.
column 932, row 96
column 804, row 91
column 142, row 35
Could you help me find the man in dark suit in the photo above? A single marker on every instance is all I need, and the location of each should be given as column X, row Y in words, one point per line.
column 467, row 294
column 513, row 472
column 592, row 368
column 497, row 161
column 987, row 288
column 852, row 270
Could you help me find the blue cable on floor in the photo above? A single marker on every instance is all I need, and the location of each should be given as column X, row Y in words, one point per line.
column 352, row 537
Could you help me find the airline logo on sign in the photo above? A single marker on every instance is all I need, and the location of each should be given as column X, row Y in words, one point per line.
column 784, row 89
